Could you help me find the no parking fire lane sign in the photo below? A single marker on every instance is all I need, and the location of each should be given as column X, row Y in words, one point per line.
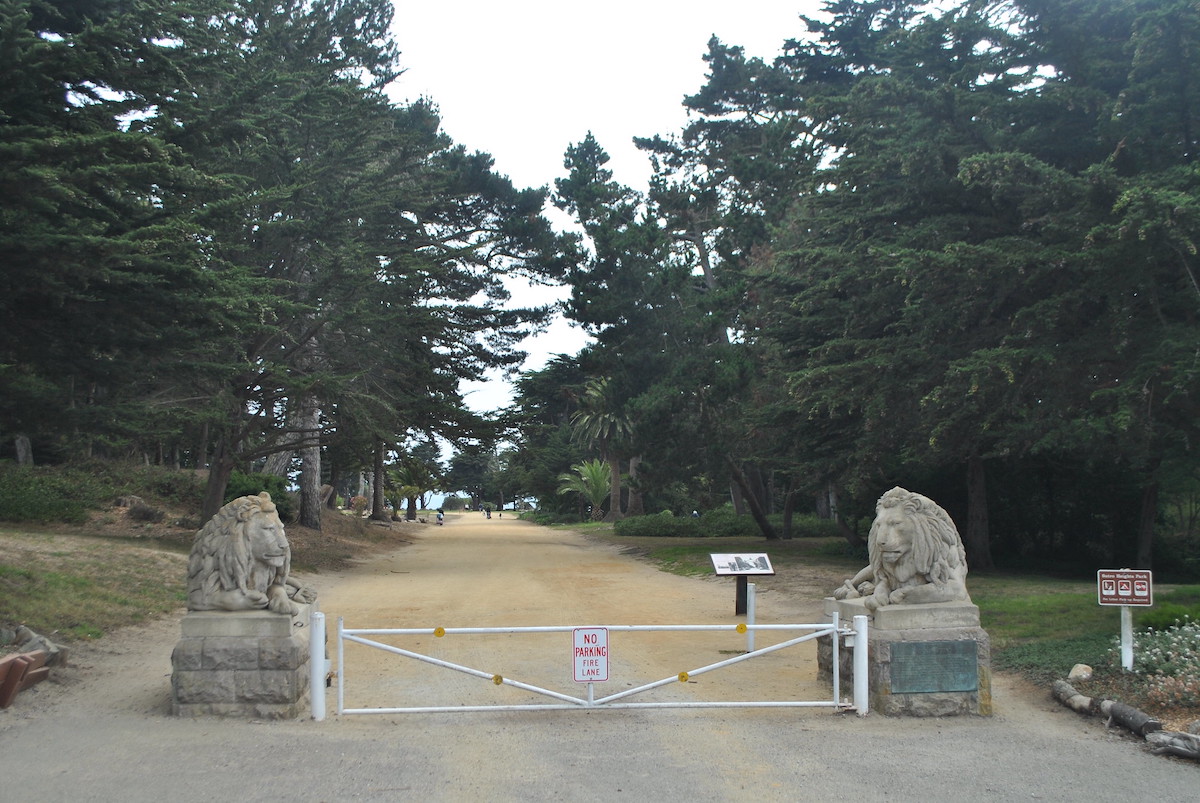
column 591, row 654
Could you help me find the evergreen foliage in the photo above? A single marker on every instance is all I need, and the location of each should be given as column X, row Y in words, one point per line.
column 948, row 246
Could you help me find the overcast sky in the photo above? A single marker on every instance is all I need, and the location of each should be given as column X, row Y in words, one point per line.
column 524, row 79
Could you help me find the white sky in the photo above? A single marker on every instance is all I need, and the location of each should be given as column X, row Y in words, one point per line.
column 524, row 79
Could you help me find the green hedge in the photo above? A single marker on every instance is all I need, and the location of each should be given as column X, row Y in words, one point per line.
column 1171, row 608
column 36, row 494
column 241, row 484
column 719, row 523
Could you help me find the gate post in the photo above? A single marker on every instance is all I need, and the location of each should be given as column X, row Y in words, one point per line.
column 341, row 670
column 751, row 605
column 861, row 698
column 316, row 665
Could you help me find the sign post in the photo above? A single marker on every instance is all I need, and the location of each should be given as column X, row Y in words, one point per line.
column 1125, row 587
column 741, row 566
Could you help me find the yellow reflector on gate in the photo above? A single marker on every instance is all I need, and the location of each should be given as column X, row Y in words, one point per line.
column 439, row 631
column 498, row 679
column 741, row 628
column 683, row 676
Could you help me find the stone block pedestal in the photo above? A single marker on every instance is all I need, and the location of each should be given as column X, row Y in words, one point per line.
column 251, row 664
column 924, row 660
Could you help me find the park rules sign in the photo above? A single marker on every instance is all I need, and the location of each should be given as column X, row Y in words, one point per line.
column 1125, row 587
column 591, row 654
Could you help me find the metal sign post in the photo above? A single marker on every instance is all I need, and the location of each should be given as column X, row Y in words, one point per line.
column 1125, row 587
column 741, row 566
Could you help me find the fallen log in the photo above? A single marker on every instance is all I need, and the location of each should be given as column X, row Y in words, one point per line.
column 1184, row 745
column 1131, row 718
column 1065, row 693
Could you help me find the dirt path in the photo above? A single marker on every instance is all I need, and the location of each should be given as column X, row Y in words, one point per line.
column 106, row 734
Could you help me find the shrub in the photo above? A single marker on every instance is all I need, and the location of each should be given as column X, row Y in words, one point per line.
column 1171, row 607
column 1171, row 658
column 662, row 525
column 719, row 523
column 723, row 522
column 179, row 488
column 36, row 494
column 810, row 526
column 546, row 517
column 1166, row 615
column 142, row 512
column 241, row 484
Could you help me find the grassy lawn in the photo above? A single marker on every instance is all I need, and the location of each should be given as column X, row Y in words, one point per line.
column 79, row 588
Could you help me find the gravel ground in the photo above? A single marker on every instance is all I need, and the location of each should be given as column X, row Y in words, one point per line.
column 101, row 730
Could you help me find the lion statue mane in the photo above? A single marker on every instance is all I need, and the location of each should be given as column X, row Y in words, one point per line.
column 240, row 561
column 932, row 568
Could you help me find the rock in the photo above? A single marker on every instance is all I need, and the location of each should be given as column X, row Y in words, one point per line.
column 1080, row 672
column 1194, row 728
column 28, row 641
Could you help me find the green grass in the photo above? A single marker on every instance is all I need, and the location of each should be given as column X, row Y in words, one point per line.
column 81, row 588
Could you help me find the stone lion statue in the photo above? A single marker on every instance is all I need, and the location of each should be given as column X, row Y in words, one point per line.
column 915, row 553
column 240, row 561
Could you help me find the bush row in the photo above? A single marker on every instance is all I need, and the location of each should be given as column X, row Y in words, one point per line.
column 65, row 494
column 719, row 523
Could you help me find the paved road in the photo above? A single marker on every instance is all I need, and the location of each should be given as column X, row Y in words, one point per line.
column 107, row 737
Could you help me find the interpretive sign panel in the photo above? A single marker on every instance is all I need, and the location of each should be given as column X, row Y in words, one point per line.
column 934, row 666
column 591, row 654
column 741, row 564
column 1125, row 587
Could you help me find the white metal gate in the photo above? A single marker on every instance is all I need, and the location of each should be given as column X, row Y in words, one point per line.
column 840, row 637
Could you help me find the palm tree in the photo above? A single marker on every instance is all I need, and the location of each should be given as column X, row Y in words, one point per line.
column 598, row 422
column 411, row 480
column 590, row 480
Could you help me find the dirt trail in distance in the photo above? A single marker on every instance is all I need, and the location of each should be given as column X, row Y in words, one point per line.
column 476, row 572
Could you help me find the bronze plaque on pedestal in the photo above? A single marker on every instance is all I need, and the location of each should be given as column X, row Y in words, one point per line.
column 934, row 666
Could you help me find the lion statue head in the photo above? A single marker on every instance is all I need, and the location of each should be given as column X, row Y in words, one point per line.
column 915, row 555
column 240, row 561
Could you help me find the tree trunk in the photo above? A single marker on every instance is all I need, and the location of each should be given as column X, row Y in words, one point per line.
column 614, row 490
column 637, row 507
column 736, row 498
column 739, row 479
column 977, row 540
column 310, row 465
column 789, row 507
column 202, row 447
column 1145, row 536
column 335, row 477
column 760, row 488
column 24, row 450
column 410, row 508
column 277, row 464
column 852, row 538
column 378, row 511
column 218, row 481
column 827, row 502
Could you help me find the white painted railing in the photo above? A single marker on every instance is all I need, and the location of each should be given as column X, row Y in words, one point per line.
column 857, row 637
